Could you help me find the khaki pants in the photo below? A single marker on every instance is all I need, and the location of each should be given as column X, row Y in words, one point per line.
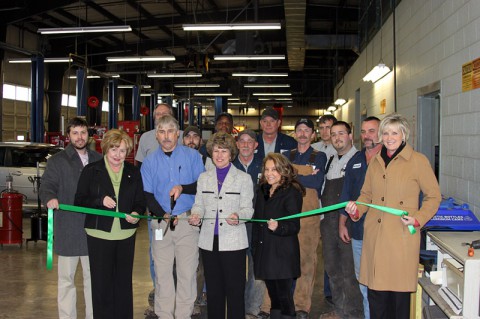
column 67, row 292
column 179, row 245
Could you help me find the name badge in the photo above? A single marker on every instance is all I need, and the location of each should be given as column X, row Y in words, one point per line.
column 358, row 165
column 158, row 234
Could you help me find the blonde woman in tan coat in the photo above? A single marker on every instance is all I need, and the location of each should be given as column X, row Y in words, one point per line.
column 395, row 178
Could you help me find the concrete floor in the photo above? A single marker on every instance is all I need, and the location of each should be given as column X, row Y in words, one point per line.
column 28, row 290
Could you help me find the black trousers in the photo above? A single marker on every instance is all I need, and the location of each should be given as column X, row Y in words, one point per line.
column 225, row 273
column 389, row 304
column 111, row 265
column 281, row 295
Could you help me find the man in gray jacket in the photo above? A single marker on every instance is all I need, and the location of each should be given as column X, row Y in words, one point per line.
column 58, row 186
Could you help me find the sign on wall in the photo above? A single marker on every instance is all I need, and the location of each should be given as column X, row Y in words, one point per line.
column 471, row 75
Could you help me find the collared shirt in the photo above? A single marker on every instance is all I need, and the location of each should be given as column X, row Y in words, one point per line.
column 338, row 166
column 254, row 168
column 161, row 172
column 269, row 147
column 311, row 181
column 328, row 149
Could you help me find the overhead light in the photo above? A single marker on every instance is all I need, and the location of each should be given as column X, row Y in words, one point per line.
column 196, row 85
column 231, row 26
column 233, row 99
column 212, row 94
column 272, row 94
column 145, row 94
column 174, row 75
column 165, row 94
column 332, row 108
column 247, row 57
column 88, row 76
column 276, row 99
column 140, row 58
column 340, row 102
column 289, row 105
column 113, row 28
column 46, row 60
column 327, row 113
column 266, row 85
column 378, row 72
column 260, row 74
column 130, row 86
column 113, row 75
column 238, row 103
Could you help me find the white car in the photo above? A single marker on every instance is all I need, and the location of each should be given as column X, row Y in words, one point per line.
column 25, row 162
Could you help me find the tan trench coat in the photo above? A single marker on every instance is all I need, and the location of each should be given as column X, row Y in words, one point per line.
column 390, row 253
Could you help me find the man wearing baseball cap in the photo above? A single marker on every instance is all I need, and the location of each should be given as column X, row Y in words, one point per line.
column 310, row 165
column 270, row 139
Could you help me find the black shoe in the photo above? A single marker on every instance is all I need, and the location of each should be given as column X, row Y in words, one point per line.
column 302, row 314
column 329, row 300
column 263, row 315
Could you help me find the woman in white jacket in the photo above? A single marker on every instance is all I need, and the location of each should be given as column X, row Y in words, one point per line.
column 224, row 198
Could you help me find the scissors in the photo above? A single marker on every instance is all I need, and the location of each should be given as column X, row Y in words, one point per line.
column 170, row 224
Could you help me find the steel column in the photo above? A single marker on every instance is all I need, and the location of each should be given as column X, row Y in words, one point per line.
column 37, row 82
column 112, row 104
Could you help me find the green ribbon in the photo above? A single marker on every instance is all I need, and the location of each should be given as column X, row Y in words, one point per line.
column 50, row 239
column 108, row 213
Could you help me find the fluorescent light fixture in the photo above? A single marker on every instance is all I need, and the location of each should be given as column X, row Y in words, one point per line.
column 272, row 94
column 165, row 94
column 231, row 26
column 276, row 99
column 266, row 86
column 145, row 94
column 140, row 58
column 196, row 85
column 260, row 74
column 238, row 103
column 88, row 76
column 174, row 75
column 233, row 99
column 112, row 28
column 130, row 86
column 340, row 102
column 226, row 57
column 378, row 72
column 112, row 75
column 46, row 60
column 332, row 108
column 212, row 94
column 289, row 105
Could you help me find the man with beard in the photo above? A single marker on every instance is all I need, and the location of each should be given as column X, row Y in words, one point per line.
column 337, row 255
column 251, row 164
column 310, row 165
column 58, row 186
column 148, row 143
column 354, row 177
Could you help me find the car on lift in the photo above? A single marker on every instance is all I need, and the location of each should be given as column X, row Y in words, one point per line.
column 21, row 166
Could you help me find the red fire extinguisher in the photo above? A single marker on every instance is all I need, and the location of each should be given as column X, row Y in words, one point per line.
column 11, row 229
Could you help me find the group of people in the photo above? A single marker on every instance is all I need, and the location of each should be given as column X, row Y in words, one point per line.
column 220, row 218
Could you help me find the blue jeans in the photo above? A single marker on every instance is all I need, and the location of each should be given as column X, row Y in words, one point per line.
column 357, row 253
column 152, row 265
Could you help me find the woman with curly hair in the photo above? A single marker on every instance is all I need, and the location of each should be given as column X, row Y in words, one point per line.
column 276, row 252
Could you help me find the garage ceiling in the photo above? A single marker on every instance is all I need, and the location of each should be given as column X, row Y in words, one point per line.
column 318, row 37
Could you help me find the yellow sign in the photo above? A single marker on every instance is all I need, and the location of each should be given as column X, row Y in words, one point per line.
column 471, row 75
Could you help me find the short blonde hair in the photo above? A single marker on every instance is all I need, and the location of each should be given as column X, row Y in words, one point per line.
column 224, row 141
column 113, row 138
column 395, row 120
column 167, row 120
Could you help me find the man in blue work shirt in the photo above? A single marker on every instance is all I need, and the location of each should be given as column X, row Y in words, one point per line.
column 172, row 171
column 251, row 164
column 310, row 165
column 352, row 185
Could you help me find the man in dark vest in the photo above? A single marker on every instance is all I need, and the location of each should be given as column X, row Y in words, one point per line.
column 337, row 255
